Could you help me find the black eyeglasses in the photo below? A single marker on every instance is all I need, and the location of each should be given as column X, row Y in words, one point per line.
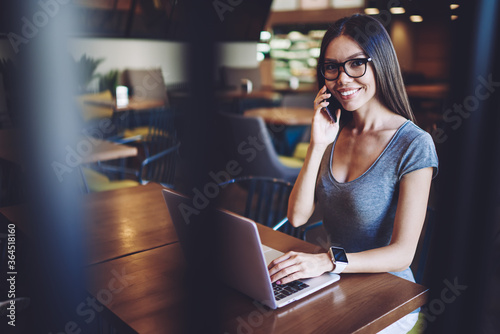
column 354, row 68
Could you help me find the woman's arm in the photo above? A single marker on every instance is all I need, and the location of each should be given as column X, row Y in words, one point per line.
column 410, row 215
column 301, row 201
column 323, row 132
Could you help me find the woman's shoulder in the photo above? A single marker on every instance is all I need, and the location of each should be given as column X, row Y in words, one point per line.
column 409, row 132
column 416, row 149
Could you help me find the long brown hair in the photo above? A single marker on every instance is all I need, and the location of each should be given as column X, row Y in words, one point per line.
column 372, row 37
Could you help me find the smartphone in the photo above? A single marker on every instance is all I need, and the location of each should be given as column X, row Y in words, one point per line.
column 334, row 105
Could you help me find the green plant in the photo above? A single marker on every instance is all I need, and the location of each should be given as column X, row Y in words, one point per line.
column 85, row 70
column 109, row 81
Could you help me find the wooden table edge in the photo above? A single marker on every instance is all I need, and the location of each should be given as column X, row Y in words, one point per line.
column 380, row 323
column 280, row 119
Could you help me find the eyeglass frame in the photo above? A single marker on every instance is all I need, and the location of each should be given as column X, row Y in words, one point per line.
column 339, row 65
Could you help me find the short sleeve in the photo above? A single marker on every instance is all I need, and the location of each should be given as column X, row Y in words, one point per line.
column 421, row 153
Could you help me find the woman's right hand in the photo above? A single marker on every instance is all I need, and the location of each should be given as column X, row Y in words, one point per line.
column 323, row 132
column 324, row 129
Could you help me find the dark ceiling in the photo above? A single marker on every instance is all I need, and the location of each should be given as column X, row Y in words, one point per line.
column 170, row 19
column 431, row 9
column 230, row 20
column 156, row 19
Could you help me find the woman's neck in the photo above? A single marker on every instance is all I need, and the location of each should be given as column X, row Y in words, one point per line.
column 373, row 118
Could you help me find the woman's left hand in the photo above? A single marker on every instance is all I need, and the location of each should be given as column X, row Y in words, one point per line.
column 294, row 265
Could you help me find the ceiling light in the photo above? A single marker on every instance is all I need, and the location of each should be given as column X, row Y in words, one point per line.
column 454, row 6
column 265, row 35
column 282, row 44
column 454, row 17
column 371, row 8
column 313, row 62
column 315, row 52
column 397, row 10
column 416, row 18
column 263, row 47
column 371, row 11
column 317, row 34
column 296, row 36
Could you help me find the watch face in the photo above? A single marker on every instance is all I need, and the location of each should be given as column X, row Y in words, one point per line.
column 339, row 254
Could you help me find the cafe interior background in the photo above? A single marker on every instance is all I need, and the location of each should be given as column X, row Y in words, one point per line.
column 56, row 56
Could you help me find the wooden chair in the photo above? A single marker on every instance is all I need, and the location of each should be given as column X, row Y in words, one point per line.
column 159, row 167
column 265, row 201
column 247, row 141
column 159, row 158
column 143, row 84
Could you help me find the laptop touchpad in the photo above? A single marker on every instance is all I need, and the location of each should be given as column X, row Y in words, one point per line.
column 270, row 253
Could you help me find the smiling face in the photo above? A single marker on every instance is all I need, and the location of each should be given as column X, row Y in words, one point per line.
column 353, row 93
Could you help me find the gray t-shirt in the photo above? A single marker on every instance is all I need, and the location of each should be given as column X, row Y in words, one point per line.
column 359, row 215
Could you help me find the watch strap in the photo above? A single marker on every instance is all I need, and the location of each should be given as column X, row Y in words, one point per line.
column 339, row 267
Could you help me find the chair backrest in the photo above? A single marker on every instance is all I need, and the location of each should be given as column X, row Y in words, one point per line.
column 161, row 167
column 145, row 84
column 265, row 199
column 161, row 129
column 247, row 141
column 162, row 148
column 231, row 76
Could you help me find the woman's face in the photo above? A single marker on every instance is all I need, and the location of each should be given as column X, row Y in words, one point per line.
column 352, row 93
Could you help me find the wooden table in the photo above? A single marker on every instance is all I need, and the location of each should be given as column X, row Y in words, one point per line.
column 133, row 104
column 304, row 87
column 104, row 150
column 235, row 94
column 122, row 115
column 151, row 296
column 126, row 221
column 117, row 222
column 240, row 94
column 283, row 115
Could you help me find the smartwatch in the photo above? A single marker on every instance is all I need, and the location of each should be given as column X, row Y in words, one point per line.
column 339, row 259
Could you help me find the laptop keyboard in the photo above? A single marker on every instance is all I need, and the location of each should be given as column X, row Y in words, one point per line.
column 285, row 290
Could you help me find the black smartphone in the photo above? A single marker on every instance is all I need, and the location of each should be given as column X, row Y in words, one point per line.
column 334, row 105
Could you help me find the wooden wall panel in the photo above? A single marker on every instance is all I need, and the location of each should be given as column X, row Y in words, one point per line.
column 432, row 49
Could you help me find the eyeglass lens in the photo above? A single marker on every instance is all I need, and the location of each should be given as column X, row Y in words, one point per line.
column 354, row 68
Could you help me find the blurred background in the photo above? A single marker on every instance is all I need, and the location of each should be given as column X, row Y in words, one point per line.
column 61, row 62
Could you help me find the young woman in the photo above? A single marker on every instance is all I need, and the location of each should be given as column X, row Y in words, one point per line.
column 369, row 173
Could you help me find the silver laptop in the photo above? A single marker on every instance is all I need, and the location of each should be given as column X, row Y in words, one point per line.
column 245, row 259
